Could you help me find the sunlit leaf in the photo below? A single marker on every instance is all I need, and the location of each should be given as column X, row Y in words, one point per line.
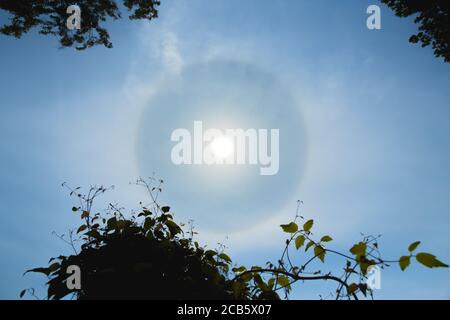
column 299, row 241
column 225, row 257
column 413, row 246
column 359, row 249
column 283, row 281
column 271, row 283
column 308, row 225
column 210, row 253
column 239, row 270
column 320, row 253
column 404, row 262
column 326, row 239
column 290, row 228
column 430, row 261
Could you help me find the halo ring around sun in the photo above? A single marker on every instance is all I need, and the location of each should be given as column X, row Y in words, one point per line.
column 223, row 95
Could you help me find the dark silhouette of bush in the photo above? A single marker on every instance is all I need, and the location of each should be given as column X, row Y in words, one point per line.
column 129, row 261
column 149, row 256
column 145, row 256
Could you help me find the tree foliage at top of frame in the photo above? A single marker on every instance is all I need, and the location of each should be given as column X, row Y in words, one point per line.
column 50, row 16
column 433, row 18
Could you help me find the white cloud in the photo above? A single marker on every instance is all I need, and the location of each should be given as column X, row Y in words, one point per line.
column 170, row 53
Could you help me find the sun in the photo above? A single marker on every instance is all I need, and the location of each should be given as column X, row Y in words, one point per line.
column 222, row 147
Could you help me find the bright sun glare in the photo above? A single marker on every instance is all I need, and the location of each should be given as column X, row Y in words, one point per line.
column 221, row 147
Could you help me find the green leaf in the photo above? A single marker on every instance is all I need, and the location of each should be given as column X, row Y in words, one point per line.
column 430, row 261
column 359, row 249
column 299, row 241
column 144, row 213
column 365, row 263
column 239, row 270
column 74, row 209
column 165, row 209
column 271, row 283
column 290, row 228
column 309, row 245
column 224, row 257
column 246, row 277
column 413, row 246
column 326, row 239
column 82, row 228
column 320, row 253
column 308, row 225
column 283, row 281
column 404, row 262
column 210, row 253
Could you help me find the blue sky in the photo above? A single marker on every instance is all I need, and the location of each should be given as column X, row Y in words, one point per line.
column 367, row 115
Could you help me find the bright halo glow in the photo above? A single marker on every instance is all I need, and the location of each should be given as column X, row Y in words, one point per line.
column 221, row 147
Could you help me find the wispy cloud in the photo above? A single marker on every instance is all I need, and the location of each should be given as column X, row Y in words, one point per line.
column 171, row 56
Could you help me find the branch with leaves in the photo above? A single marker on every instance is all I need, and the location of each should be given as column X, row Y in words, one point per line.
column 361, row 258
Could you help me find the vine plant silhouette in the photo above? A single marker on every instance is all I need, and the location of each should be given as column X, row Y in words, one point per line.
column 149, row 256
